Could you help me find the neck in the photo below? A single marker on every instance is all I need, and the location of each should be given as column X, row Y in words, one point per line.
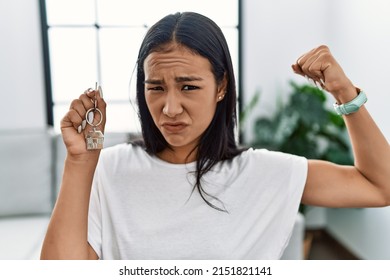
column 177, row 155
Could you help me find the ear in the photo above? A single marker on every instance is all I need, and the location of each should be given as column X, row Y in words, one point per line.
column 222, row 88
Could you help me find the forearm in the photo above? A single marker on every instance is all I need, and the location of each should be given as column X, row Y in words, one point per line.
column 66, row 237
column 370, row 148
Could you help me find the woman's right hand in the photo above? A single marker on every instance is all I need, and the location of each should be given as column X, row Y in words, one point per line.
column 74, row 127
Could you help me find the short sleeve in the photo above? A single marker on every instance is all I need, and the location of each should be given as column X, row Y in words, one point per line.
column 293, row 197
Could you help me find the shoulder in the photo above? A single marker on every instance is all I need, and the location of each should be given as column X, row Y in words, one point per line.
column 279, row 170
column 273, row 164
column 122, row 149
column 255, row 162
column 270, row 158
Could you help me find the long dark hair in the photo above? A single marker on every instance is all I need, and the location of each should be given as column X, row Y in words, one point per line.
column 202, row 36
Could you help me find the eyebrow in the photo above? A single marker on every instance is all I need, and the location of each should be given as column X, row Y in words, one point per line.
column 177, row 79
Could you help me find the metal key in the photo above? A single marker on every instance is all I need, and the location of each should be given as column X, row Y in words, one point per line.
column 94, row 138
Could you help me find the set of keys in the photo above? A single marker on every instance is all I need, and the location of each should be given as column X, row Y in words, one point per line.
column 94, row 138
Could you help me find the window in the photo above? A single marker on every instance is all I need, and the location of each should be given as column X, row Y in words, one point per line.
column 98, row 40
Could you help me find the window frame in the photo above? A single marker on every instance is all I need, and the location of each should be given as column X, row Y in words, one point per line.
column 47, row 63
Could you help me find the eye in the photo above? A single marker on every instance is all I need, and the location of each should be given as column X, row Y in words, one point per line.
column 157, row 88
column 189, row 87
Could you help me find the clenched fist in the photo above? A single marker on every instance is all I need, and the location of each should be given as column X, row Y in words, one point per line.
column 320, row 66
column 74, row 127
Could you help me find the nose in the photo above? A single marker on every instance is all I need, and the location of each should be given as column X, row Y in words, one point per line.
column 172, row 106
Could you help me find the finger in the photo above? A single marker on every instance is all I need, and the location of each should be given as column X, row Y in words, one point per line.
column 87, row 101
column 318, row 67
column 71, row 119
column 98, row 96
column 81, row 107
column 297, row 67
column 308, row 70
column 78, row 106
column 313, row 67
column 317, row 80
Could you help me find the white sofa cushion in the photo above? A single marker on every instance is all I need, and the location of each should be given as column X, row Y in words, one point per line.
column 26, row 172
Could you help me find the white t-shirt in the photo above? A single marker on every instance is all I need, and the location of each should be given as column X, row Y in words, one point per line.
column 145, row 208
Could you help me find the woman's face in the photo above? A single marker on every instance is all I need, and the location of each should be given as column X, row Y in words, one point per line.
column 181, row 94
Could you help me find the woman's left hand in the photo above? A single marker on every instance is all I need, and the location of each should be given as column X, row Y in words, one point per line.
column 320, row 66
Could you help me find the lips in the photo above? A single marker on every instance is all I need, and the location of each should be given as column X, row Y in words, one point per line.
column 174, row 127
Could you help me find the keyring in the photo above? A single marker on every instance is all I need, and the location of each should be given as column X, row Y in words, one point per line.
column 101, row 117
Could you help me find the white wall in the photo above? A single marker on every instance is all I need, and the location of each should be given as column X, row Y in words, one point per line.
column 365, row 232
column 277, row 32
column 361, row 36
column 357, row 31
column 21, row 66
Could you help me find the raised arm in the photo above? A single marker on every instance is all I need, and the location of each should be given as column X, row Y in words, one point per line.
column 367, row 183
column 66, row 237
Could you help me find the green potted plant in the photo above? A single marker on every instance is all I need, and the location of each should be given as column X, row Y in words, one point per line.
column 305, row 126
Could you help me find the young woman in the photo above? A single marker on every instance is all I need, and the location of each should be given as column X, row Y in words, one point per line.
column 188, row 192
